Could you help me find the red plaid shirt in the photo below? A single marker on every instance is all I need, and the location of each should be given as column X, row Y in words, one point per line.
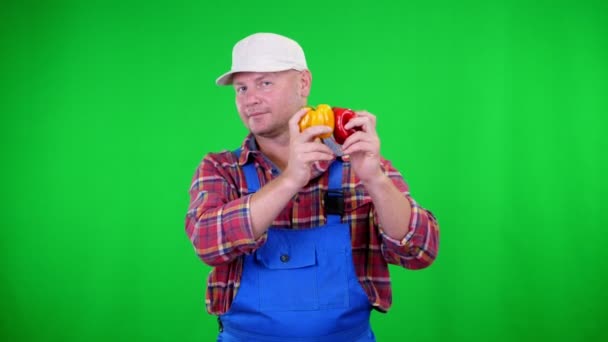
column 218, row 224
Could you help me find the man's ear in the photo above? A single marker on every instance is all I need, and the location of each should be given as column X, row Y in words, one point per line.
column 305, row 83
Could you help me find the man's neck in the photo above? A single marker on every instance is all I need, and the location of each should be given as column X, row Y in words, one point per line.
column 276, row 149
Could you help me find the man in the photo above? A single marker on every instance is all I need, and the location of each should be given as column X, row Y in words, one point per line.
column 299, row 239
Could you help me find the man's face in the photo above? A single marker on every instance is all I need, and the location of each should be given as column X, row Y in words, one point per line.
column 267, row 100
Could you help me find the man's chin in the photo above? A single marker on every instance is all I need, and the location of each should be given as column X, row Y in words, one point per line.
column 267, row 133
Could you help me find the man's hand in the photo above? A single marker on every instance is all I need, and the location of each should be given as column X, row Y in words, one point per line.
column 363, row 147
column 304, row 150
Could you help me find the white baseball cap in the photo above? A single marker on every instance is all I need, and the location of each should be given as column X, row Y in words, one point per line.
column 264, row 52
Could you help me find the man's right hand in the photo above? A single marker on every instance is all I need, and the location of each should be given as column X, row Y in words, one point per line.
column 267, row 203
column 304, row 150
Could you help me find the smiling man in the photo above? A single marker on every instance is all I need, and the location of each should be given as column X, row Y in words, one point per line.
column 299, row 239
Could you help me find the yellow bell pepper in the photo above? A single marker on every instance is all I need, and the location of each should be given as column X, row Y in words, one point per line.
column 322, row 115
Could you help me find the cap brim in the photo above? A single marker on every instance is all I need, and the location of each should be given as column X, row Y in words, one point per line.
column 226, row 79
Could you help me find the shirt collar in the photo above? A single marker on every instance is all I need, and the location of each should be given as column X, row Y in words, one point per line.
column 248, row 147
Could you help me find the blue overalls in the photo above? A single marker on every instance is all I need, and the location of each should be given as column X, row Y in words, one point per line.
column 300, row 285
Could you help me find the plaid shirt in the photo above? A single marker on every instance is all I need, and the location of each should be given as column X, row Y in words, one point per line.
column 218, row 224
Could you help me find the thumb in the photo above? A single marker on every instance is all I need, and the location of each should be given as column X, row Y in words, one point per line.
column 294, row 128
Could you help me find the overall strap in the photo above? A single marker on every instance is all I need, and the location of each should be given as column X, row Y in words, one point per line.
column 251, row 176
column 334, row 198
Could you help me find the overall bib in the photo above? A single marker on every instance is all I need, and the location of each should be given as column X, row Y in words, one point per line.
column 300, row 285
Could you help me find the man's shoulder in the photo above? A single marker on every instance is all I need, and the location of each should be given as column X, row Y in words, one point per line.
column 230, row 155
column 222, row 156
column 225, row 153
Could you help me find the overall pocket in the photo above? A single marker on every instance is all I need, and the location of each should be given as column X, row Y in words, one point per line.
column 297, row 272
column 287, row 276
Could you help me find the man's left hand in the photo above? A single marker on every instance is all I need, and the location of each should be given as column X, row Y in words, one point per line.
column 363, row 147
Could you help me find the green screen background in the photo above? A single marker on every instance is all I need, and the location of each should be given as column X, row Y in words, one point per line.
column 494, row 111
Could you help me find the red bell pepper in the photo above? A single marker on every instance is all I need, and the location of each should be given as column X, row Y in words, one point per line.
column 341, row 117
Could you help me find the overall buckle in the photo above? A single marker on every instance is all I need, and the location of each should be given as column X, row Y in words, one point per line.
column 334, row 202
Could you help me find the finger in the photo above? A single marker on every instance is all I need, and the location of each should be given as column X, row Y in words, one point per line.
column 314, row 147
column 311, row 157
column 294, row 128
column 364, row 122
column 355, row 137
column 361, row 147
column 310, row 133
column 317, row 156
column 364, row 113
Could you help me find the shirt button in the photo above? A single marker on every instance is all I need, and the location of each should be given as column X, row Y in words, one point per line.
column 284, row 258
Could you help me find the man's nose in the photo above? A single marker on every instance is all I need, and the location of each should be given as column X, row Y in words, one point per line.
column 251, row 97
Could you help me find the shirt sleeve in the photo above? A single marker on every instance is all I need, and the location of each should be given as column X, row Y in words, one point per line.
column 418, row 249
column 218, row 221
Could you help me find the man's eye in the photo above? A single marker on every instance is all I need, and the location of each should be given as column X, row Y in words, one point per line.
column 266, row 83
column 241, row 89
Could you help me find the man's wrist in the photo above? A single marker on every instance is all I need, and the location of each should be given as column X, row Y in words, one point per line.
column 379, row 182
column 287, row 185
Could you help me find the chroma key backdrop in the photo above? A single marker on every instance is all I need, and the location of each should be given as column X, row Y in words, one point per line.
column 494, row 112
